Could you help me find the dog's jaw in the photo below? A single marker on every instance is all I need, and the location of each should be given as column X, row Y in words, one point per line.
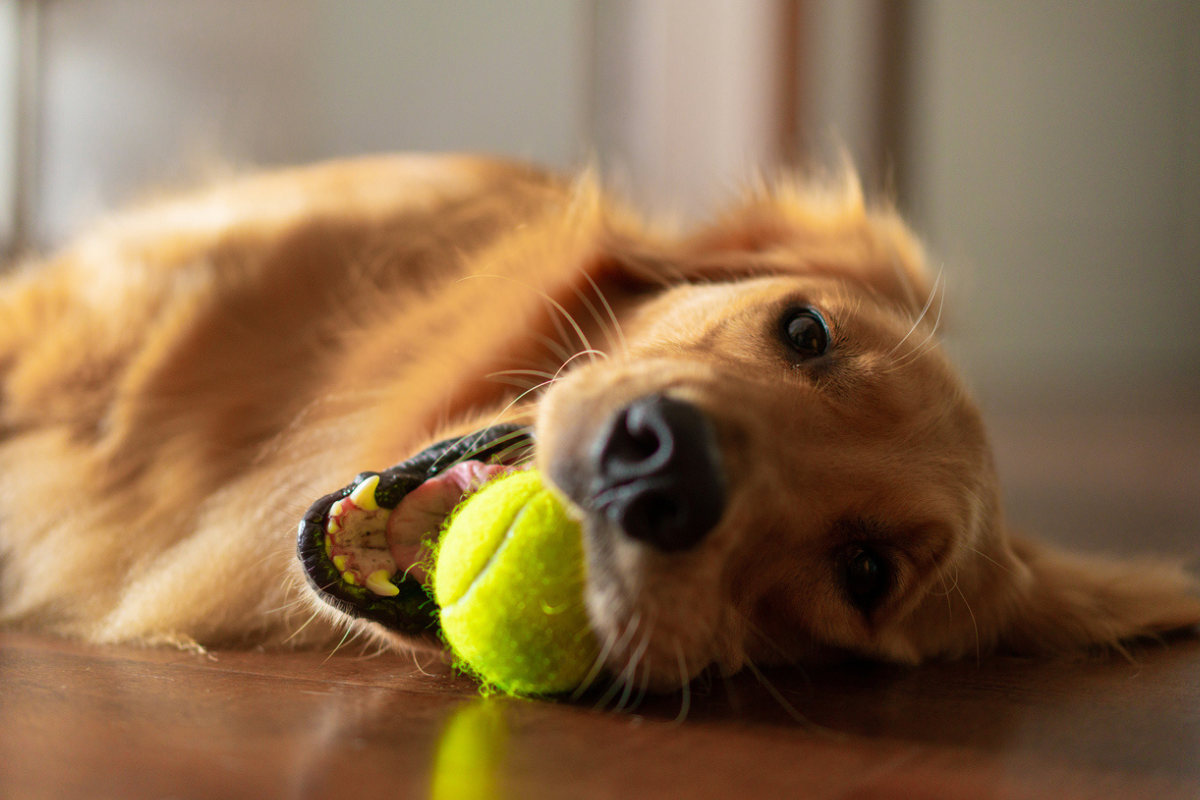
column 363, row 547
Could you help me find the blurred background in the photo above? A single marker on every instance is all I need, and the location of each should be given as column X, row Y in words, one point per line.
column 1048, row 151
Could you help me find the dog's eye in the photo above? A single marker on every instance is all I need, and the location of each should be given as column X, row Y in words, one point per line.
column 806, row 332
column 865, row 574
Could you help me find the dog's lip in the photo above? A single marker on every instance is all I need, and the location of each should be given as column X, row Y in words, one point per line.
column 410, row 611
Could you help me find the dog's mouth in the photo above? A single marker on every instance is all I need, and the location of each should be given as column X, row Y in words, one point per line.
column 365, row 548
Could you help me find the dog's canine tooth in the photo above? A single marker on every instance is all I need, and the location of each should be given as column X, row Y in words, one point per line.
column 363, row 495
column 380, row 583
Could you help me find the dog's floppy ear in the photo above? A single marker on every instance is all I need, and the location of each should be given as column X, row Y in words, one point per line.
column 1073, row 602
column 800, row 228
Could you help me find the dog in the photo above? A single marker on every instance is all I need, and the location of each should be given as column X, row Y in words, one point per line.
column 772, row 459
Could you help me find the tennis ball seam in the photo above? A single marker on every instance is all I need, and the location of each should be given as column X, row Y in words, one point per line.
column 508, row 535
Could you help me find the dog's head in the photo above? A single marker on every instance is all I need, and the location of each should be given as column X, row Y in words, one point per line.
column 778, row 463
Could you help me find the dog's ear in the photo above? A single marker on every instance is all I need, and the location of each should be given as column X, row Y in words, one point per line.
column 1073, row 602
column 825, row 229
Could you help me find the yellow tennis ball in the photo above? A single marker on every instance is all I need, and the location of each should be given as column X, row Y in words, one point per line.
column 509, row 580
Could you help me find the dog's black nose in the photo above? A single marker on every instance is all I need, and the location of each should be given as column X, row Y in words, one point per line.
column 659, row 474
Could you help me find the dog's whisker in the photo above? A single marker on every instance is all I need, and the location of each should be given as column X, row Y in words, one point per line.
column 922, row 348
column 517, row 382
column 289, row 605
column 563, row 337
column 349, row 628
column 525, row 460
column 929, row 341
column 597, row 665
column 501, row 455
column 380, row 649
column 516, row 400
column 297, row 632
column 558, row 306
column 289, row 586
column 614, row 686
column 519, row 362
column 583, row 340
column 622, row 643
column 762, row 636
column 643, row 686
column 534, row 372
column 560, row 352
column 986, row 557
column 631, row 627
column 783, row 701
column 478, row 444
column 592, row 353
column 417, row 663
column 516, row 447
column 600, row 321
column 787, row 657
column 685, row 685
column 631, row 668
column 516, row 437
column 616, row 323
column 974, row 623
column 947, row 590
column 496, row 419
column 920, row 316
column 946, row 594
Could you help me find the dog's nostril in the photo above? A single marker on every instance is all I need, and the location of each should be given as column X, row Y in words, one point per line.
column 638, row 443
column 650, row 514
column 659, row 473
column 660, row 510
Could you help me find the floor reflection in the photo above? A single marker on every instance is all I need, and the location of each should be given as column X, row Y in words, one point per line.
column 469, row 763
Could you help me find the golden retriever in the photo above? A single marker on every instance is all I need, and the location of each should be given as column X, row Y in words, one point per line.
column 772, row 458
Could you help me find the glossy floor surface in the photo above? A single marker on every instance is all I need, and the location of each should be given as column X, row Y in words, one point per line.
column 91, row 722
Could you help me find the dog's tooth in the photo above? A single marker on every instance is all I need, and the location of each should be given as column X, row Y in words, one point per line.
column 328, row 546
column 340, row 563
column 380, row 583
column 337, row 508
column 363, row 495
column 350, row 578
column 333, row 526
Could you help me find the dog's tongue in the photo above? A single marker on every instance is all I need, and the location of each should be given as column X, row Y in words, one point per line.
column 421, row 513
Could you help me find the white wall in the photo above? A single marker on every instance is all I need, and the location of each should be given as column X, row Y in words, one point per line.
column 508, row 77
column 144, row 94
column 840, row 75
column 140, row 94
column 1057, row 178
column 685, row 98
column 10, row 130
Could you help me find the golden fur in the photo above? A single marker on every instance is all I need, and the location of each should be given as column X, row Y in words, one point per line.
column 178, row 385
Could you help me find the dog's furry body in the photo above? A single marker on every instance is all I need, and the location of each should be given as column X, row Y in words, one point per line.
column 180, row 384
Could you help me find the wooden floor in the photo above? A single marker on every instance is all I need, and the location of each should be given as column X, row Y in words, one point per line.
column 91, row 722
